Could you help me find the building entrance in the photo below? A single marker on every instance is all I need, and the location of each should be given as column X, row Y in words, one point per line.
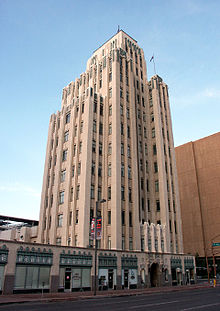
column 67, row 284
column 110, row 278
column 154, row 275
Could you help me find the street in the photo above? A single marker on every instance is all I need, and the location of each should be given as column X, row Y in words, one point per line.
column 207, row 299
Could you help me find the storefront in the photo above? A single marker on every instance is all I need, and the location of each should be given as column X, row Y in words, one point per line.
column 176, row 271
column 75, row 271
column 189, row 271
column 107, row 272
column 129, row 272
column 32, row 273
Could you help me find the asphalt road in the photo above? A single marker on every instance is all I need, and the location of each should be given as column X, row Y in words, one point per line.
column 188, row 300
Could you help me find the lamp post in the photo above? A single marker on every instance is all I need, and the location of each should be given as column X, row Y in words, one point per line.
column 95, row 272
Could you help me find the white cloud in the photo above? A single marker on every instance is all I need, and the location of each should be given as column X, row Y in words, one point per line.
column 20, row 188
column 194, row 99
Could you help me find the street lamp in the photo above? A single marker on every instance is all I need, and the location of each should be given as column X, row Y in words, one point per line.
column 95, row 272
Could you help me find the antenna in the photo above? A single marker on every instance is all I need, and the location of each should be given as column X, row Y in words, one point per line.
column 118, row 28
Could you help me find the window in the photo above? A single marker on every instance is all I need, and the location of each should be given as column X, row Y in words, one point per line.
column 122, row 149
column 80, row 147
column 77, row 216
column 64, row 156
column 110, row 129
column 109, row 170
column 121, row 110
column 92, row 192
column 83, row 108
column 61, row 197
column 123, row 218
column 122, row 170
column 95, row 107
column 93, row 168
column 122, row 129
column 146, row 149
column 79, row 168
column 152, row 117
column 154, row 149
column 128, row 113
column 74, row 150
column 81, row 127
column 100, row 148
column 129, row 172
column 100, row 170
column 153, row 132
column 99, row 193
column 75, row 130
column 127, row 96
column 128, row 131
column 158, row 205
column 66, row 136
column 121, row 92
column 93, row 146
column 63, row 175
column 110, row 93
column 68, row 117
column 145, row 132
column 100, row 128
column 101, row 109
column 156, row 185
column 129, row 151
column 109, row 217
column 110, row 110
column 60, row 220
column 73, row 170
column 94, row 125
column 130, row 195
column 77, row 192
column 71, row 194
column 130, row 219
column 155, row 167
column 109, row 148
column 122, row 192
column 109, row 193
column 110, row 79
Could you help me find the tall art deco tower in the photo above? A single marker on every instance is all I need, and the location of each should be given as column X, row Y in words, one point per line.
column 112, row 140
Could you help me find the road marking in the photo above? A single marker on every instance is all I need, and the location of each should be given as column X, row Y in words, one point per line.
column 201, row 306
column 153, row 304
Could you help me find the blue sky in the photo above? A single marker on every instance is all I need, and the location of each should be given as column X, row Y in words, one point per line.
column 45, row 44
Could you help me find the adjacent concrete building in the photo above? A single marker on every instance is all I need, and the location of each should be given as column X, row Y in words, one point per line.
column 112, row 140
column 198, row 167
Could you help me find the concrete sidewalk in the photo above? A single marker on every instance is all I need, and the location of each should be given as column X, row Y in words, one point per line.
column 52, row 297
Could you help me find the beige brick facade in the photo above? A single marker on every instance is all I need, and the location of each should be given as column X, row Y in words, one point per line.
column 198, row 166
column 112, row 140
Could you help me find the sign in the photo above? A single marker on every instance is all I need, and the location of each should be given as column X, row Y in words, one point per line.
column 216, row 244
column 98, row 228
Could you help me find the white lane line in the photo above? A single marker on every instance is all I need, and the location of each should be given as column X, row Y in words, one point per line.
column 201, row 306
column 153, row 304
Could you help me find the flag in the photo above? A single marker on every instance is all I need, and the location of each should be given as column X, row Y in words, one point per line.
column 151, row 58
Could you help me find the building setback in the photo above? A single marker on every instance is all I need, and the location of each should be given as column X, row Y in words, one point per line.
column 198, row 167
column 112, row 140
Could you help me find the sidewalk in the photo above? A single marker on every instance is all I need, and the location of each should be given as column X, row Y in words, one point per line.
column 49, row 297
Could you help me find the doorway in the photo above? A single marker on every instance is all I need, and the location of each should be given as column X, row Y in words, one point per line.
column 67, row 279
column 154, row 275
column 110, row 278
column 126, row 278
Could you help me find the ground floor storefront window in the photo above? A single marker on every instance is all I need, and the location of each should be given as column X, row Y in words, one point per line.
column 32, row 277
column 75, row 279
